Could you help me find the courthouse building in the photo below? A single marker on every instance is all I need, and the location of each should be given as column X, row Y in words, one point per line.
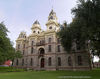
column 42, row 50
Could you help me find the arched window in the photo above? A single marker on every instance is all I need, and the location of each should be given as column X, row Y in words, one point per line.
column 58, row 48
column 31, row 62
column 49, row 40
column 32, row 43
column 22, row 62
column 69, row 61
column 32, row 50
column 79, row 58
column 49, row 61
column 17, row 62
column 59, row 61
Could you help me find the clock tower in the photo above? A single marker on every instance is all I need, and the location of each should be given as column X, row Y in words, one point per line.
column 52, row 23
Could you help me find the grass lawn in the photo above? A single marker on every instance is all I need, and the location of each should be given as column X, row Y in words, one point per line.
column 94, row 74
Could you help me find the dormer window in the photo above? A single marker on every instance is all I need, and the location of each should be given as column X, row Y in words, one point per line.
column 38, row 32
column 33, row 31
column 50, row 27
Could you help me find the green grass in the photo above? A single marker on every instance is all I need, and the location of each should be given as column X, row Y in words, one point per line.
column 94, row 74
column 10, row 69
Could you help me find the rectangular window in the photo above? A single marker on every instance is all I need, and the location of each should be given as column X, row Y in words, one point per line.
column 79, row 60
column 18, row 46
column 32, row 43
column 24, row 46
column 31, row 50
column 49, row 48
column 23, row 52
column 49, row 40
column 59, row 48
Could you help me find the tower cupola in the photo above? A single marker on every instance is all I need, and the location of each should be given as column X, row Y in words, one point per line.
column 22, row 35
column 52, row 23
column 36, row 28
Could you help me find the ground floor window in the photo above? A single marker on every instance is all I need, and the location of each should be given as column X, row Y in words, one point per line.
column 17, row 62
column 79, row 59
column 49, row 61
column 59, row 61
column 69, row 61
column 31, row 62
column 22, row 62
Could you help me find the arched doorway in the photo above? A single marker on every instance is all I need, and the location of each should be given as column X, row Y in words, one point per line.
column 41, row 57
column 42, row 62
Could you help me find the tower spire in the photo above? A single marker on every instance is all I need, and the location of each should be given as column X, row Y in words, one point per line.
column 52, row 4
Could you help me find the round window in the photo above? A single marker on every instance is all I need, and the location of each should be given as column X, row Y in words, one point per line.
column 50, row 27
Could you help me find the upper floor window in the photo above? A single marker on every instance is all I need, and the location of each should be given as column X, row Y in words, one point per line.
column 49, row 40
column 24, row 46
column 49, row 61
column 49, row 48
column 58, row 48
column 18, row 46
column 23, row 52
column 32, row 50
column 59, row 61
column 79, row 58
column 32, row 43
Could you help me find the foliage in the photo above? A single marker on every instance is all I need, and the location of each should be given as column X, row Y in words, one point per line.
column 88, row 12
column 7, row 52
column 65, row 36
column 10, row 69
column 85, row 27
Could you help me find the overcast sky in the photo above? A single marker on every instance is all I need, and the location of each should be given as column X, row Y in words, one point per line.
column 19, row 15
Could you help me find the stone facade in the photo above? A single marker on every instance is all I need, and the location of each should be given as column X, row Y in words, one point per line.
column 42, row 50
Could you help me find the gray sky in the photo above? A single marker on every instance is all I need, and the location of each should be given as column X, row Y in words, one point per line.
column 19, row 15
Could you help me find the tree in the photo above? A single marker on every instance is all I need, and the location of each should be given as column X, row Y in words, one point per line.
column 85, row 27
column 88, row 12
column 7, row 52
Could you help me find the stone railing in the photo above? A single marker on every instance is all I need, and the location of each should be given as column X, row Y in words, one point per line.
column 41, row 43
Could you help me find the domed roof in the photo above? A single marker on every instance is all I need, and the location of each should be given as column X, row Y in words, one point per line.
column 36, row 22
column 52, row 12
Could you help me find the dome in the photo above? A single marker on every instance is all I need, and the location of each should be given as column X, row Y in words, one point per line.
column 36, row 22
column 52, row 12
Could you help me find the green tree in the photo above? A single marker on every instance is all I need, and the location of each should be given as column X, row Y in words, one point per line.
column 7, row 52
column 84, row 30
column 88, row 12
